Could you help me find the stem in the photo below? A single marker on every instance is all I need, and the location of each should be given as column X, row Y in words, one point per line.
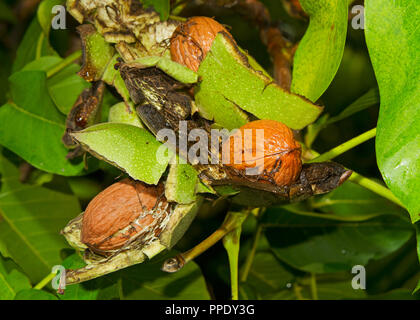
column 298, row 292
column 45, row 281
column 120, row 289
column 375, row 187
column 250, row 259
column 178, row 6
column 231, row 242
column 39, row 46
column 346, row 146
column 207, row 243
column 365, row 183
column 64, row 63
column 314, row 290
column 327, row 216
column 177, row 18
column 178, row 262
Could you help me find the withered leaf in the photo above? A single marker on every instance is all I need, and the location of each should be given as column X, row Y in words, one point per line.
column 314, row 179
column 97, row 53
column 158, row 103
column 85, row 112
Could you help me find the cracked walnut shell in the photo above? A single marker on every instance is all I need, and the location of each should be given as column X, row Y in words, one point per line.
column 268, row 146
column 127, row 212
column 192, row 40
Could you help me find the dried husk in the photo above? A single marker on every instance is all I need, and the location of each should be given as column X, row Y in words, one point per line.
column 135, row 252
column 136, row 31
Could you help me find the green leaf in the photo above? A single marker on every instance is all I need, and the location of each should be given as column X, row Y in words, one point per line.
column 32, row 127
column 33, row 294
column 31, row 220
column 65, row 87
column 108, row 101
column 11, row 279
column 174, row 69
column 231, row 242
column 130, row 148
column 202, row 188
column 33, row 46
column 417, row 287
column 319, row 245
column 42, row 64
column 45, row 14
column 97, row 53
column 147, row 282
column 84, row 188
column 397, row 294
column 161, row 6
column 352, row 200
column 268, row 275
column 367, row 100
column 417, row 226
column 393, row 40
column 3, row 250
column 314, row 129
column 229, row 84
column 181, row 183
column 320, row 51
column 272, row 279
column 124, row 113
column 333, row 290
column 113, row 77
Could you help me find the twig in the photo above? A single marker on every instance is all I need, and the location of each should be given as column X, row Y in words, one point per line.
column 278, row 47
column 45, row 281
column 231, row 242
column 367, row 183
column 250, row 258
column 64, row 63
column 346, row 146
column 375, row 187
column 178, row 262
column 314, row 290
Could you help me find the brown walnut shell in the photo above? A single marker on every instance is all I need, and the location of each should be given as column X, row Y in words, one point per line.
column 280, row 152
column 192, row 40
column 125, row 211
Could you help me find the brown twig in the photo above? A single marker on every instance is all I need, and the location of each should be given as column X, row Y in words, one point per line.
column 279, row 48
column 281, row 52
column 294, row 9
column 25, row 170
column 25, row 8
column 232, row 221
